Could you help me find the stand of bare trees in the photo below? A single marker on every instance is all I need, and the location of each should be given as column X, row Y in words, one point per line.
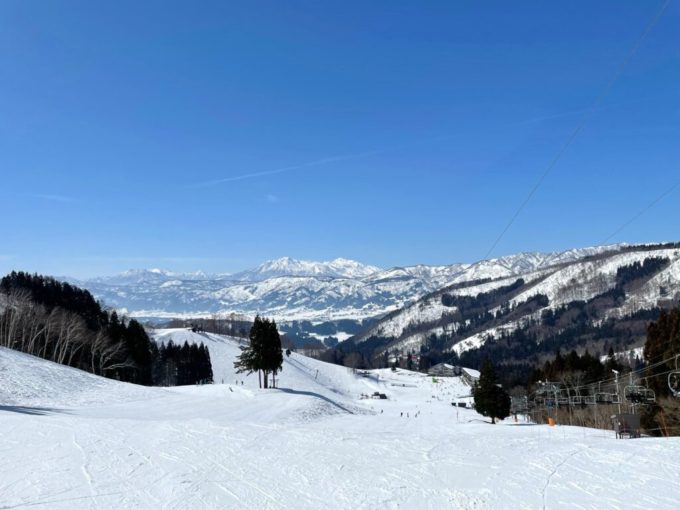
column 58, row 335
column 62, row 323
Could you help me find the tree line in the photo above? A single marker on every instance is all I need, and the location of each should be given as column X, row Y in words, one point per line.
column 175, row 365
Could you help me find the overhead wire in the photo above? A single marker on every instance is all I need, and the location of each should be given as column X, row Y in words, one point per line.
column 643, row 211
column 612, row 380
column 585, row 118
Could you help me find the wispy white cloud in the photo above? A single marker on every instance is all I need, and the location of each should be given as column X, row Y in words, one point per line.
column 272, row 199
column 309, row 164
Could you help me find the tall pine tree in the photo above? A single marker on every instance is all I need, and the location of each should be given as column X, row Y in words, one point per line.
column 491, row 400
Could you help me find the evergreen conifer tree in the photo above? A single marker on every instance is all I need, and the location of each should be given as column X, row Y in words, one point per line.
column 491, row 400
column 264, row 354
column 273, row 353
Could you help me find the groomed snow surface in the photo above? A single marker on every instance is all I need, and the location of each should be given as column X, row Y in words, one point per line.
column 73, row 440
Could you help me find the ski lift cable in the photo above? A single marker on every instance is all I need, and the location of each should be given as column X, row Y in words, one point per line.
column 584, row 119
column 601, row 382
column 643, row 211
column 633, row 372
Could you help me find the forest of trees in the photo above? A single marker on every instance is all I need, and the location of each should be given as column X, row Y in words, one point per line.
column 62, row 323
column 221, row 324
column 589, row 368
column 175, row 365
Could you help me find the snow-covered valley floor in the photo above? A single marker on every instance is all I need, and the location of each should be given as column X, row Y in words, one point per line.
column 72, row 440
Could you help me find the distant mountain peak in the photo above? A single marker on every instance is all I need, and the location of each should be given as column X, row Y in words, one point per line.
column 288, row 266
column 155, row 270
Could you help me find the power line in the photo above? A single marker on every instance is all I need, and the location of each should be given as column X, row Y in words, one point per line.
column 643, row 211
column 588, row 114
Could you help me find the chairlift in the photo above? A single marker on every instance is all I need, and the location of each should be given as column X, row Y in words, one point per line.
column 674, row 379
column 674, row 383
column 562, row 399
column 604, row 398
column 634, row 394
column 575, row 400
column 650, row 396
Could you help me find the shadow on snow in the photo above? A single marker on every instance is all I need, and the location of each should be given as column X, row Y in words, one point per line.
column 316, row 395
column 40, row 411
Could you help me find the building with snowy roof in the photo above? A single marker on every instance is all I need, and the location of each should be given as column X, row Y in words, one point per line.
column 470, row 376
column 443, row 370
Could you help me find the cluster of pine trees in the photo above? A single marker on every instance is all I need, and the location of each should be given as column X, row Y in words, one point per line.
column 60, row 322
column 176, row 365
column 576, row 370
column 264, row 354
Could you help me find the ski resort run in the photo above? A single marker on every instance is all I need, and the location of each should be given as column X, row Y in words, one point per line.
column 74, row 440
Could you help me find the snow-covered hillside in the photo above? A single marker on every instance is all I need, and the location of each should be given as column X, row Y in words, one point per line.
column 70, row 440
column 563, row 283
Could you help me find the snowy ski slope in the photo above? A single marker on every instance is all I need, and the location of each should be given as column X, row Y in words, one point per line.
column 72, row 440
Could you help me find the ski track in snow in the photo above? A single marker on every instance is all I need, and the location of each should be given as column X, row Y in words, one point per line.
column 72, row 440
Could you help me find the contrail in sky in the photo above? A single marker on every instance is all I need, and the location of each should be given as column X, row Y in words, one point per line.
column 318, row 162
column 348, row 157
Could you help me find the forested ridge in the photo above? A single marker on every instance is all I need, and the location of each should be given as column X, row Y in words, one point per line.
column 536, row 328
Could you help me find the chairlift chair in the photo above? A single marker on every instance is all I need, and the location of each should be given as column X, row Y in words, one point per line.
column 603, row 398
column 674, row 383
column 562, row 399
column 575, row 400
column 634, row 394
column 649, row 396
column 674, row 379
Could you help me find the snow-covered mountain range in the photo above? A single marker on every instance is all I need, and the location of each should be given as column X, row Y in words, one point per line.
column 290, row 289
column 572, row 298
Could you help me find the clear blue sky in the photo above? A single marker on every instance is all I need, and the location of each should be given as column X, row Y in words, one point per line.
column 214, row 135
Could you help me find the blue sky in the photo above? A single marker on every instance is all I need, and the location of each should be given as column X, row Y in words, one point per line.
column 215, row 135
